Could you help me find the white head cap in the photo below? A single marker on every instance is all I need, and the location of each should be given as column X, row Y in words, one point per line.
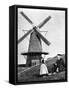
column 58, row 56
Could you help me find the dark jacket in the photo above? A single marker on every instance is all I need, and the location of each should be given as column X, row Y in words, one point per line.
column 60, row 64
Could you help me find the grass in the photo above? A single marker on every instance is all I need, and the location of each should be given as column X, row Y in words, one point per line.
column 26, row 74
column 33, row 75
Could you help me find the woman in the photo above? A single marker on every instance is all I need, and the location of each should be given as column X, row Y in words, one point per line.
column 43, row 69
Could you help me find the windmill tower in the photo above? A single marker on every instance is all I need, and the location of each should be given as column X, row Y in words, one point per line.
column 35, row 46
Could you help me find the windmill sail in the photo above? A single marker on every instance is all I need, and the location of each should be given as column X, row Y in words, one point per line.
column 43, row 38
column 44, row 22
column 23, row 37
column 26, row 17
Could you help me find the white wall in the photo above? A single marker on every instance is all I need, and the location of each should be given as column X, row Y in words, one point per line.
column 4, row 43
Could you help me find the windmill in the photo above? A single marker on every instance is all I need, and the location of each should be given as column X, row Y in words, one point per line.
column 35, row 46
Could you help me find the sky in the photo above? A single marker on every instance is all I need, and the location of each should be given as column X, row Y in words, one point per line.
column 55, row 27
